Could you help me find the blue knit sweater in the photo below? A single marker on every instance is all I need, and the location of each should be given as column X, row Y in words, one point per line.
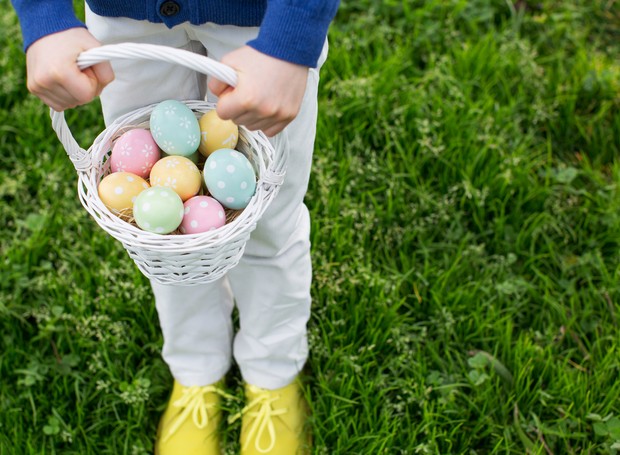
column 291, row 30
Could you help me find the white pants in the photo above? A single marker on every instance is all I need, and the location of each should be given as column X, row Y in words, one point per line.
column 271, row 284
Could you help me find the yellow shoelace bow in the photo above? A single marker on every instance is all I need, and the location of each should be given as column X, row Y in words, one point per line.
column 193, row 402
column 262, row 419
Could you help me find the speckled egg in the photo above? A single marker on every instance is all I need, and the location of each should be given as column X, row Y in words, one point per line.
column 216, row 133
column 134, row 151
column 230, row 178
column 178, row 173
column 158, row 210
column 175, row 128
column 202, row 214
column 119, row 190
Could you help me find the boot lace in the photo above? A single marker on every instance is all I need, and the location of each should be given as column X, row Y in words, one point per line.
column 261, row 411
column 194, row 404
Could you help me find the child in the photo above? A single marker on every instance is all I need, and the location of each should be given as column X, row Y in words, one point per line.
column 277, row 48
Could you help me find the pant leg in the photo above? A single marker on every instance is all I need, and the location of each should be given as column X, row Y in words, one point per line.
column 197, row 329
column 272, row 282
column 195, row 321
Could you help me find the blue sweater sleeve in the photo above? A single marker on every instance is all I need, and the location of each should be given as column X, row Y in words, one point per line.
column 39, row 18
column 295, row 30
column 291, row 30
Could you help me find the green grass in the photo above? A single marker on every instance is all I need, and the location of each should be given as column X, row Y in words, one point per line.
column 466, row 234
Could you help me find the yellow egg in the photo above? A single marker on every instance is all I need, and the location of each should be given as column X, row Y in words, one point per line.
column 178, row 173
column 119, row 190
column 216, row 133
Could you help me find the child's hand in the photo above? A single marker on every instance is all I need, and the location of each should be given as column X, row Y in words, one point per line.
column 268, row 94
column 53, row 74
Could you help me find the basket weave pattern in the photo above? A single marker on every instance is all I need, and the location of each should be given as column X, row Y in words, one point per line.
column 188, row 259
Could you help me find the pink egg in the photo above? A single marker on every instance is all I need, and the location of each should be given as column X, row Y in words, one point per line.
column 202, row 214
column 135, row 151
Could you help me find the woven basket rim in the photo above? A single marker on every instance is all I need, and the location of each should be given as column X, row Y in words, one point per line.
column 173, row 242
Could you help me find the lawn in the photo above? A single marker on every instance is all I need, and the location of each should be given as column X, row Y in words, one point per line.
column 466, row 235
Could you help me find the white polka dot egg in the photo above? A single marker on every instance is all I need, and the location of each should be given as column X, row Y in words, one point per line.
column 230, row 178
column 119, row 190
column 202, row 214
column 159, row 210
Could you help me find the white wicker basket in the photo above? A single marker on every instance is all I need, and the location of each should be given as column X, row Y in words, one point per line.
column 172, row 259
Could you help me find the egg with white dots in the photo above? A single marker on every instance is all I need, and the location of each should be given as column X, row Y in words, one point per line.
column 202, row 214
column 119, row 190
column 158, row 210
column 230, row 178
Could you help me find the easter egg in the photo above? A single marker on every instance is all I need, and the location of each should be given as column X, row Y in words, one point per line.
column 158, row 210
column 134, row 151
column 216, row 133
column 119, row 190
column 202, row 214
column 178, row 173
column 175, row 128
column 230, row 178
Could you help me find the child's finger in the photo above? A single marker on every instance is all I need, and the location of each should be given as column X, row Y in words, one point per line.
column 82, row 85
column 217, row 87
column 59, row 99
column 64, row 88
column 231, row 107
column 95, row 86
column 104, row 74
column 273, row 129
column 52, row 72
column 270, row 126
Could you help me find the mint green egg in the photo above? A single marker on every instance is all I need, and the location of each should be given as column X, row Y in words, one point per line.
column 175, row 128
column 158, row 209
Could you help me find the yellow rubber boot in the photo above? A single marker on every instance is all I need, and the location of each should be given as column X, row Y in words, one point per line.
column 191, row 421
column 274, row 422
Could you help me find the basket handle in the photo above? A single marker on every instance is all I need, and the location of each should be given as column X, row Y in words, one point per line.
column 79, row 156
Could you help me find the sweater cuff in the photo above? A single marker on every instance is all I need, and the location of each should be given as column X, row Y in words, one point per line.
column 293, row 33
column 42, row 18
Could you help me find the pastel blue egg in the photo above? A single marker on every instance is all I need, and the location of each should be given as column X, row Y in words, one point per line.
column 175, row 128
column 230, row 178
